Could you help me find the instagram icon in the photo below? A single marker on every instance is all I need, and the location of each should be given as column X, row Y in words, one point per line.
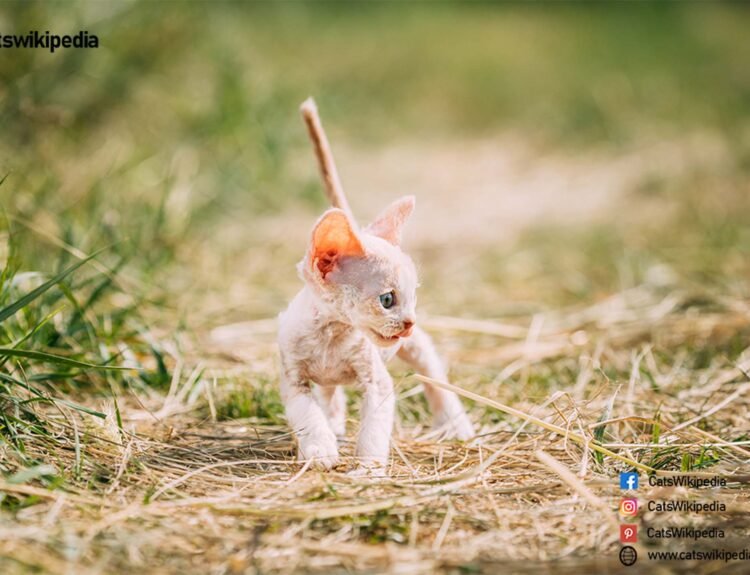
column 628, row 507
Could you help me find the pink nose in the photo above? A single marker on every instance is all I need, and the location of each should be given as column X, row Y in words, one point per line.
column 408, row 325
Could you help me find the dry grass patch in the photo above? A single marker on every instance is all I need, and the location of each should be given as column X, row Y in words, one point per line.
column 195, row 489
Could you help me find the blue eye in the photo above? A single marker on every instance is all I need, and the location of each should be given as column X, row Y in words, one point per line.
column 388, row 299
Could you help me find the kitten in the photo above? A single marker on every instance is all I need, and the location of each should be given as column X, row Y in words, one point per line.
column 355, row 312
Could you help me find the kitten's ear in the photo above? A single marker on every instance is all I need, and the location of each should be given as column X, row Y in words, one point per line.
column 333, row 238
column 390, row 221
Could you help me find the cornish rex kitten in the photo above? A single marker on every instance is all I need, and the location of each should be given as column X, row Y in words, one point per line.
column 356, row 312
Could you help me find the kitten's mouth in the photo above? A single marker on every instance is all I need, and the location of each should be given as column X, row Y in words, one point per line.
column 385, row 340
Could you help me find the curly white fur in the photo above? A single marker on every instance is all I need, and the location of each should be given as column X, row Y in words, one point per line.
column 337, row 332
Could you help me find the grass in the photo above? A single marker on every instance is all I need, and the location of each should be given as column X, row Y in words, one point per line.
column 157, row 194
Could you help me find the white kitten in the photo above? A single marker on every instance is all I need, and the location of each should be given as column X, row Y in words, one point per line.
column 356, row 312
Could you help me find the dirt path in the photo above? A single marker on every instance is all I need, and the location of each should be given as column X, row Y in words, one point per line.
column 488, row 191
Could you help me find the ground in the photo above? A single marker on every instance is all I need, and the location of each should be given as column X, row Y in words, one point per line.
column 582, row 183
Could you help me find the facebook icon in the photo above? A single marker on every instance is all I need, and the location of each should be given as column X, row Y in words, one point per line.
column 629, row 480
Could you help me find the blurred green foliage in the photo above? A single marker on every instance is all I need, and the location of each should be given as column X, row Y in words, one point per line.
column 209, row 92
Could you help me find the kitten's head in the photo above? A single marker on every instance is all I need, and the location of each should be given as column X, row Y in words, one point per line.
column 363, row 274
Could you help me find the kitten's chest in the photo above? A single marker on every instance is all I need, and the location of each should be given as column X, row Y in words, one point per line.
column 335, row 356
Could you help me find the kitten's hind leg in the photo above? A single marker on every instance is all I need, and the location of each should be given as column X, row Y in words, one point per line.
column 315, row 440
column 447, row 411
column 333, row 401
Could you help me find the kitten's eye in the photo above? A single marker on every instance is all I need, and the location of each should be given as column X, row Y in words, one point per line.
column 388, row 299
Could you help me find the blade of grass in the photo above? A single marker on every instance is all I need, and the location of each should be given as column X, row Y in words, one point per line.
column 31, row 473
column 33, row 330
column 42, row 356
column 8, row 311
column 77, row 406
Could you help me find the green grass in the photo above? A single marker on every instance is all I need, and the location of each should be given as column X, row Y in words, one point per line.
column 258, row 399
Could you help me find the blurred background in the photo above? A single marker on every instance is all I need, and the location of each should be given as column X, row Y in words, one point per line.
column 558, row 152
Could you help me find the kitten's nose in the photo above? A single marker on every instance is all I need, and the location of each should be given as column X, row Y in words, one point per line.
column 408, row 324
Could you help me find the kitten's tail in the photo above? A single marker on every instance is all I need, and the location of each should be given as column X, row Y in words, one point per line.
column 328, row 171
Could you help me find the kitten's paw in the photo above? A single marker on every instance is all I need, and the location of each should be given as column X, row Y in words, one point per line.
column 367, row 470
column 321, row 447
column 458, row 427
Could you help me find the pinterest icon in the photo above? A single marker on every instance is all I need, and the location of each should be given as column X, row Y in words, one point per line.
column 628, row 533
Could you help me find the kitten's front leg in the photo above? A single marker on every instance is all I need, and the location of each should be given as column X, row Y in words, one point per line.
column 378, row 407
column 447, row 411
column 315, row 438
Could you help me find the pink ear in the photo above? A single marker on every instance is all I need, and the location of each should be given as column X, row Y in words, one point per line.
column 389, row 223
column 333, row 238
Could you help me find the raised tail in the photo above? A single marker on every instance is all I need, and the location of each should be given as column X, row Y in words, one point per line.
column 328, row 172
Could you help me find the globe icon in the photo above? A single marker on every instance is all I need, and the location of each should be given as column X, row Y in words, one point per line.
column 628, row 556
